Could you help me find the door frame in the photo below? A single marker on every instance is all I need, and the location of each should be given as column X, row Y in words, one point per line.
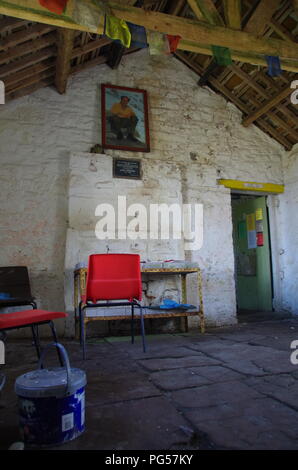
column 272, row 202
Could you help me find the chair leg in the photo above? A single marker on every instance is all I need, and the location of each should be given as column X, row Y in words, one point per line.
column 142, row 328
column 132, row 325
column 82, row 333
column 35, row 340
column 56, row 341
column 80, row 321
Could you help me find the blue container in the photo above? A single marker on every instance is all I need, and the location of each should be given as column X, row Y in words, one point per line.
column 51, row 403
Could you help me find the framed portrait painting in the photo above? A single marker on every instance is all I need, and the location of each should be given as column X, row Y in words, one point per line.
column 124, row 118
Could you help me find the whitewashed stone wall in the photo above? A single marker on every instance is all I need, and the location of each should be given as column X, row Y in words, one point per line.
column 288, row 219
column 190, row 127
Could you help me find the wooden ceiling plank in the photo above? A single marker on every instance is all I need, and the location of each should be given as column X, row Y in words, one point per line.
column 21, row 50
column 261, row 122
column 232, row 9
column 281, row 31
column 261, row 16
column 277, row 120
column 91, row 63
column 276, row 135
column 267, row 106
column 90, row 46
column 7, row 24
column 64, row 56
column 33, row 32
column 28, row 72
column 28, row 90
column 31, row 80
column 28, row 61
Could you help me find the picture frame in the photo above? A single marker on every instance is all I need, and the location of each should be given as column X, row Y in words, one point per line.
column 124, row 118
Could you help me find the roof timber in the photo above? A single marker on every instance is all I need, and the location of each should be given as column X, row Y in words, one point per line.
column 29, row 61
column 64, row 55
column 190, row 30
column 261, row 16
column 232, row 9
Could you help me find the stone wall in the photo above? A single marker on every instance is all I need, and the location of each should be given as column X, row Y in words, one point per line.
column 288, row 220
column 194, row 132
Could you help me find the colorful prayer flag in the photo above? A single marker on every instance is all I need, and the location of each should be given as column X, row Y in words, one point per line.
column 117, row 29
column 55, row 6
column 273, row 62
column 173, row 42
column 158, row 43
column 138, row 35
column 222, row 55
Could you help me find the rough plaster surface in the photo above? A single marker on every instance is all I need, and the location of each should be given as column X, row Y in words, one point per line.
column 289, row 233
column 192, row 130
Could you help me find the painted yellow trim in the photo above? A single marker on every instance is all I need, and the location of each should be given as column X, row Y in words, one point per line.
column 253, row 186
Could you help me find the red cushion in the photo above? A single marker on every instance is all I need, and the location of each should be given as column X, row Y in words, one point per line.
column 27, row 317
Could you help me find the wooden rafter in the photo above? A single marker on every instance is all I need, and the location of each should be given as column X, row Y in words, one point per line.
column 295, row 5
column 231, row 96
column 261, row 16
column 290, row 65
column 190, row 30
column 64, row 56
column 206, row 10
column 232, row 10
column 22, row 50
column 272, row 103
column 28, row 61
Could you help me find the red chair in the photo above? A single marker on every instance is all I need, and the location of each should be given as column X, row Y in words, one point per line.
column 31, row 318
column 113, row 280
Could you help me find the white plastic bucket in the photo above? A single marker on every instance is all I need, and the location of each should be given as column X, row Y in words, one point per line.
column 51, row 403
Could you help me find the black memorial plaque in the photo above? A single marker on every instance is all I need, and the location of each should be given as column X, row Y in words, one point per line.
column 126, row 168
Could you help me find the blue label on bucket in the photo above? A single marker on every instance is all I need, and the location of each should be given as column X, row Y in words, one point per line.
column 51, row 420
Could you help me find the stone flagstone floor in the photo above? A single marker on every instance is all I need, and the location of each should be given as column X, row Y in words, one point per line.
column 232, row 388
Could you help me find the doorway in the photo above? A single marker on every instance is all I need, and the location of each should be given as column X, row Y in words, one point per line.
column 252, row 254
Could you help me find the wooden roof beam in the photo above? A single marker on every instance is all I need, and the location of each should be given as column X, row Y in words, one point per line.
column 189, row 30
column 64, row 56
column 90, row 46
column 290, row 65
column 261, row 17
column 29, row 60
column 28, row 48
column 176, row 8
column 32, row 32
column 206, row 10
column 232, row 10
column 228, row 94
column 295, row 5
column 280, row 96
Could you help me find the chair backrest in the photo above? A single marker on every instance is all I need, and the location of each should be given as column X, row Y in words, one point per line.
column 14, row 281
column 113, row 277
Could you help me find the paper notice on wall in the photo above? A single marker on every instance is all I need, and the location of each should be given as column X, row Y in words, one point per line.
column 241, row 230
column 251, row 239
column 259, row 214
column 250, row 222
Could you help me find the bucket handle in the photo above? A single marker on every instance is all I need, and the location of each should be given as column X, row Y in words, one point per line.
column 64, row 357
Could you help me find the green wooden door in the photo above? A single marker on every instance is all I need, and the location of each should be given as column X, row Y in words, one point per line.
column 252, row 262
